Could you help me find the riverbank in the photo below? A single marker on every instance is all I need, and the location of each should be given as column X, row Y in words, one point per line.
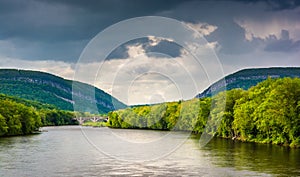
column 266, row 113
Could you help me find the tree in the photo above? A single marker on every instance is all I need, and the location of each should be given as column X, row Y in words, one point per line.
column 3, row 126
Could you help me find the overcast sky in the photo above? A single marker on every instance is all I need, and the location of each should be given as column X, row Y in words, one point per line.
column 50, row 35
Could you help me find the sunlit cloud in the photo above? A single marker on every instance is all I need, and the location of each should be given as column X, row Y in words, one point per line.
column 153, row 41
column 135, row 50
column 141, row 79
column 202, row 29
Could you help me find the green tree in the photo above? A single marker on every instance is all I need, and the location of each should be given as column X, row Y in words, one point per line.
column 3, row 126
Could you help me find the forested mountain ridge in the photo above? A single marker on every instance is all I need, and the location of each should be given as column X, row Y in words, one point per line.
column 247, row 78
column 50, row 89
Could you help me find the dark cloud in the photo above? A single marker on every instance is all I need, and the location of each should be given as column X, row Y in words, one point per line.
column 59, row 26
column 231, row 38
column 229, row 35
column 60, row 29
column 120, row 6
column 59, row 20
column 121, row 51
column 283, row 44
column 275, row 4
column 68, row 51
column 163, row 46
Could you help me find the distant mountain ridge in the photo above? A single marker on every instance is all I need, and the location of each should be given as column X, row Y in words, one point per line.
column 247, row 78
column 50, row 89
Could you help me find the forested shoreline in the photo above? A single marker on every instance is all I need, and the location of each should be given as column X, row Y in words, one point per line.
column 23, row 117
column 266, row 113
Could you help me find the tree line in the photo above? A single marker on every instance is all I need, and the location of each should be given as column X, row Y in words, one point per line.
column 266, row 113
column 22, row 118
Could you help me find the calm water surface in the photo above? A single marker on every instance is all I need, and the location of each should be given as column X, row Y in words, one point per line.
column 67, row 151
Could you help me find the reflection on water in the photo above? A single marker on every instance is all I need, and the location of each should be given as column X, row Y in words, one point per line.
column 64, row 151
column 265, row 158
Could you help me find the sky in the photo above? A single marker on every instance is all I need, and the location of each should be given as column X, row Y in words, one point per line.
column 55, row 36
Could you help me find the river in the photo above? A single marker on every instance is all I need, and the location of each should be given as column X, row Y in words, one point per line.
column 76, row 151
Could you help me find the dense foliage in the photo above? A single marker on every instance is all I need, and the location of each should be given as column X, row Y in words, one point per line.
column 21, row 117
column 186, row 116
column 57, row 117
column 17, row 119
column 267, row 113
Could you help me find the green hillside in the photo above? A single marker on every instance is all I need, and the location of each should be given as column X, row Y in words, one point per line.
column 49, row 89
column 247, row 78
column 34, row 104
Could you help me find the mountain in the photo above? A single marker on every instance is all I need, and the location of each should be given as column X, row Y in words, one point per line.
column 247, row 78
column 50, row 89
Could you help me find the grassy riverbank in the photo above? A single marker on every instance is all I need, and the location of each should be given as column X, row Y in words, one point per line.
column 95, row 124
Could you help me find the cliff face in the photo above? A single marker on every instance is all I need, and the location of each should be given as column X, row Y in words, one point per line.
column 50, row 89
column 247, row 78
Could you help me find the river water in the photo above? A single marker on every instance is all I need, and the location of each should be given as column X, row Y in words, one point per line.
column 76, row 151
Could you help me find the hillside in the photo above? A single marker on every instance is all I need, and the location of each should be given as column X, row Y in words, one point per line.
column 249, row 77
column 50, row 89
column 29, row 103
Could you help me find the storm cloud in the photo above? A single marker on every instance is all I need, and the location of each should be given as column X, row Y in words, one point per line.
column 35, row 34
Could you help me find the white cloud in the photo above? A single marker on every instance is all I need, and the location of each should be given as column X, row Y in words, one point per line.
column 153, row 41
column 59, row 68
column 200, row 30
column 145, row 79
column 135, row 50
column 213, row 45
column 204, row 29
column 149, row 80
